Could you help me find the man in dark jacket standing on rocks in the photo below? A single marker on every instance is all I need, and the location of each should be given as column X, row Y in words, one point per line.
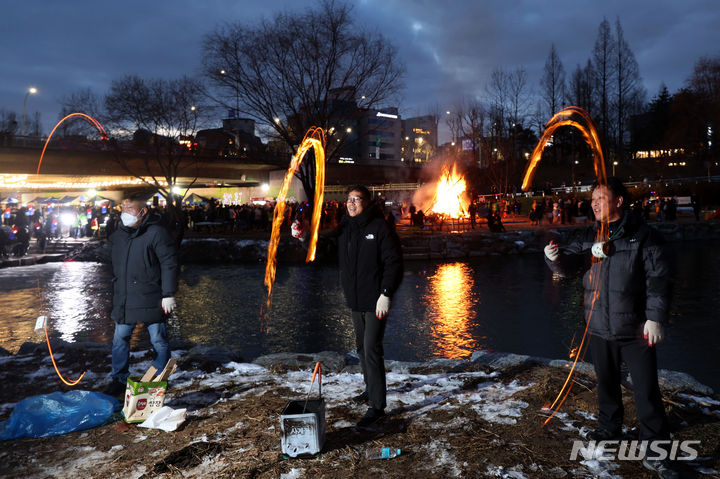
column 626, row 304
column 144, row 261
column 371, row 269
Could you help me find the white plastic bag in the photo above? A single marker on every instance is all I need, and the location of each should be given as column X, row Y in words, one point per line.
column 165, row 418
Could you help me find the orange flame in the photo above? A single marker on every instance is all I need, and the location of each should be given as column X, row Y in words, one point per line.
column 450, row 194
column 314, row 138
column 85, row 117
column 573, row 352
column 587, row 128
column 589, row 133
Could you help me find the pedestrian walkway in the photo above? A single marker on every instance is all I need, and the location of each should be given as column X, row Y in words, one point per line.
column 55, row 250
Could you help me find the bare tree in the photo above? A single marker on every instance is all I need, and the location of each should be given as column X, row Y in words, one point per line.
column 704, row 83
column 157, row 113
column 8, row 127
column 581, row 88
column 553, row 82
column 300, row 70
column 630, row 94
column 467, row 121
column 602, row 56
column 81, row 101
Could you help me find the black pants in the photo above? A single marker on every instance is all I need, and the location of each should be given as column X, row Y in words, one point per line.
column 642, row 362
column 369, row 333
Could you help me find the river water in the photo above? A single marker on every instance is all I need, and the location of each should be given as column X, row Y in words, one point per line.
column 509, row 303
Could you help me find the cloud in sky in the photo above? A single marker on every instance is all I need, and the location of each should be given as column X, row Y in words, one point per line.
column 449, row 46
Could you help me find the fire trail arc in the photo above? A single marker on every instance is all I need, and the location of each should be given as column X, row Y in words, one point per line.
column 85, row 117
column 103, row 134
column 580, row 119
column 315, row 139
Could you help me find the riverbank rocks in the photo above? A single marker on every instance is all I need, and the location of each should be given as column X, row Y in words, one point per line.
column 207, row 358
column 416, row 245
column 331, row 361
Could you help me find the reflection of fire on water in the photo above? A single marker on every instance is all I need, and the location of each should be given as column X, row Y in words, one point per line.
column 447, row 197
column 450, row 309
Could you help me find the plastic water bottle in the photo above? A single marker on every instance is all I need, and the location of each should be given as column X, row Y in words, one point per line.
column 382, row 453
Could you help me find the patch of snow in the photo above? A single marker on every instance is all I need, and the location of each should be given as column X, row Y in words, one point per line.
column 601, row 468
column 294, row 473
column 587, row 415
column 342, row 424
column 500, row 471
column 709, row 412
column 246, row 368
column 704, row 400
column 705, row 470
column 438, row 451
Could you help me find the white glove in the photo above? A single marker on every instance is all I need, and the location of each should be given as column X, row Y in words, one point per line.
column 653, row 332
column 382, row 307
column 551, row 251
column 598, row 250
column 168, row 305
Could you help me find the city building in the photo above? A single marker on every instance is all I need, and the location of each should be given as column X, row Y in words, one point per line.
column 419, row 139
column 379, row 137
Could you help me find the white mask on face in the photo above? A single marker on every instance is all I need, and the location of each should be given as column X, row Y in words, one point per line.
column 128, row 219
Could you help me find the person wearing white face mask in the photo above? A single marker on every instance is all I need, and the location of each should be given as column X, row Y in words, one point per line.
column 144, row 261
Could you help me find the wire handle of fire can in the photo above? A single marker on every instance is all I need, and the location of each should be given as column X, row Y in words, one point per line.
column 316, row 372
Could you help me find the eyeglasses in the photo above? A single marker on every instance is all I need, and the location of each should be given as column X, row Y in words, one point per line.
column 354, row 199
column 129, row 208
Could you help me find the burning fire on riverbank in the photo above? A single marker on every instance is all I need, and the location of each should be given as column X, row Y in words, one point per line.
column 447, row 196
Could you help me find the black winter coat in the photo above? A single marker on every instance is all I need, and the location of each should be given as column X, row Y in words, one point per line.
column 628, row 287
column 144, row 261
column 370, row 259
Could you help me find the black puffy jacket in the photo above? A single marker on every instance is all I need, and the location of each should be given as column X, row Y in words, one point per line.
column 628, row 287
column 370, row 259
column 144, row 262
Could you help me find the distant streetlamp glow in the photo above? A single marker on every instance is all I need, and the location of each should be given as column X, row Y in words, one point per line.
column 348, row 129
column 614, row 165
column 31, row 91
column 277, row 120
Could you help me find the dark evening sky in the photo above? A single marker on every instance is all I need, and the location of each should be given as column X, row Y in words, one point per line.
column 449, row 46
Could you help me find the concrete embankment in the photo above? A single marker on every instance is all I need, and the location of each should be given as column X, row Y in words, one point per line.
column 417, row 245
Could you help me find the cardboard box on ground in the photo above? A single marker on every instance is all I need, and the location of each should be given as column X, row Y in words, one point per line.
column 147, row 394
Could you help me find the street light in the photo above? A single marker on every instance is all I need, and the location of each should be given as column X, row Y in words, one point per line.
column 31, row 91
column 614, row 165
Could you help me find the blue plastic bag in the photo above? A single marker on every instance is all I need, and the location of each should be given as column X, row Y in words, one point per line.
column 58, row 413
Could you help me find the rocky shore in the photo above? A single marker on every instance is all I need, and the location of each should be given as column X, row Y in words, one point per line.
column 479, row 417
column 417, row 244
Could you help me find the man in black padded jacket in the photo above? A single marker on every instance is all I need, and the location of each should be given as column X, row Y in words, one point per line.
column 627, row 292
column 371, row 269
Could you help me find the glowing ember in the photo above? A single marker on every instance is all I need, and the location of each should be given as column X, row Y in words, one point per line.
column 450, row 196
column 315, row 139
column 589, row 132
column 85, row 117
